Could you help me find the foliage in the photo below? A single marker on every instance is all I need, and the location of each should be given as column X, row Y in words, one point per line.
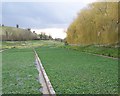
column 43, row 36
column 95, row 24
column 73, row 72
column 16, row 34
column 19, row 74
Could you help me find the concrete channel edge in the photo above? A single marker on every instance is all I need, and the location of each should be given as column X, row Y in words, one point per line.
column 50, row 89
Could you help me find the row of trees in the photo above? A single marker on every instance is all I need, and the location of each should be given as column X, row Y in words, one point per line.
column 95, row 24
column 17, row 34
column 43, row 36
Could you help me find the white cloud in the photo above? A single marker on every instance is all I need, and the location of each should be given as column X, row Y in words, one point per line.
column 54, row 32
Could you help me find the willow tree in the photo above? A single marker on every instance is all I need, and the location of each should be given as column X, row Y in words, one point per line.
column 95, row 24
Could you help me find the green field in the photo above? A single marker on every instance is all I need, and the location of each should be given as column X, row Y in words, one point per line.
column 73, row 72
column 70, row 71
column 19, row 74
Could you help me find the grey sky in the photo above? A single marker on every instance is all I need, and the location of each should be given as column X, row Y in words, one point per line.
column 40, row 14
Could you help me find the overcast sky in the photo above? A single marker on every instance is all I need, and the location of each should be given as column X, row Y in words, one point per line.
column 49, row 16
column 40, row 14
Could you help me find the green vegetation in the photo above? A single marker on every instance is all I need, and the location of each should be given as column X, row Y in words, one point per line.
column 100, row 50
column 29, row 44
column 43, row 36
column 96, row 24
column 73, row 72
column 70, row 71
column 19, row 74
column 16, row 34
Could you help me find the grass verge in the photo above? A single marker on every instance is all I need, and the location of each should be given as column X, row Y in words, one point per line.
column 100, row 50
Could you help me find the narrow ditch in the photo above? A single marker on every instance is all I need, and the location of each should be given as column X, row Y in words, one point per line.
column 47, row 88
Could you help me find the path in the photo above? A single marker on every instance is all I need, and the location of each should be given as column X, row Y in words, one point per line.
column 102, row 55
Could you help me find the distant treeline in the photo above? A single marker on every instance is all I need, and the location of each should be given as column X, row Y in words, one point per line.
column 43, row 36
column 18, row 34
column 95, row 24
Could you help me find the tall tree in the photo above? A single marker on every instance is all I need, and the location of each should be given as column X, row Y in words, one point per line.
column 95, row 24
